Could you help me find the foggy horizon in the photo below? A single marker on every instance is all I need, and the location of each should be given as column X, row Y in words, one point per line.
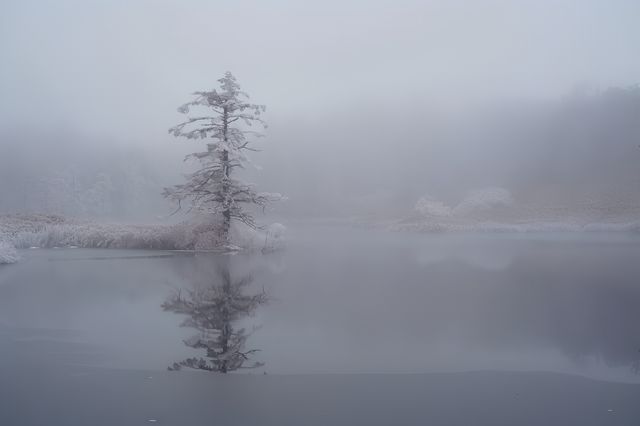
column 359, row 212
column 104, row 80
column 300, row 60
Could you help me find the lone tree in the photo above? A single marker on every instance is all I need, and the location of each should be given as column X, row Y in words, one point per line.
column 213, row 188
column 213, row 311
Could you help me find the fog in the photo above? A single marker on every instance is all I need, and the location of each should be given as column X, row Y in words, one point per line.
column 371, row 104
column 439, row 225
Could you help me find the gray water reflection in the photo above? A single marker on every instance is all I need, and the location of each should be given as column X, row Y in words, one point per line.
column 214, row 309
column 353, row 301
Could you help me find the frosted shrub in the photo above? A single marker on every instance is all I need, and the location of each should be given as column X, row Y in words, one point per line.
column 483, row 199
column 28, row 231
column 428, row 206
column 8, row 253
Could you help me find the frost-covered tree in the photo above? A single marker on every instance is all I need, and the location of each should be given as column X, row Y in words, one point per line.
column 214, row 310
column 214, row 188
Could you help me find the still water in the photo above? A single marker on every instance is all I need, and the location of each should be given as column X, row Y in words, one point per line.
column 345, row 300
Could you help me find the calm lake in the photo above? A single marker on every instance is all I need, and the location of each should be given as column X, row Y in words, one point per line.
column 341, row 300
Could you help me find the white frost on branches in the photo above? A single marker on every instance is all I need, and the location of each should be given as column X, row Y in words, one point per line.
column 213, row 188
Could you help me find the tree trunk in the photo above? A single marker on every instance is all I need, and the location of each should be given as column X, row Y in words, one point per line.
column 225, row 332
column 226, row 207
column 226, row 335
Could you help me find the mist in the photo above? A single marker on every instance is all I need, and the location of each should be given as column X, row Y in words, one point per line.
column 360, row 212
column 370, row 104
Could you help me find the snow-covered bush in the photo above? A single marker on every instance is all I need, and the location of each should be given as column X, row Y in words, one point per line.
column 429, row 206
column 477, row 200
column 8, row 253
column 26, row 231
column 269, row 239
column 483, row 199
column 94, row 235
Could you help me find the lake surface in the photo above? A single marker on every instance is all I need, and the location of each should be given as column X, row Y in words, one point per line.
column 342, row 300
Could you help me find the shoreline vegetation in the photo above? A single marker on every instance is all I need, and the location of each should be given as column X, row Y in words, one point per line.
column 495, row 209
column 24, row 231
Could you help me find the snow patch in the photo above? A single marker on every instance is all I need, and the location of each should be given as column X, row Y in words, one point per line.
column 476, row 201
column 528, row 227
column 8, row 253
column 429, row 206
column 43, row 231
column 483, row 199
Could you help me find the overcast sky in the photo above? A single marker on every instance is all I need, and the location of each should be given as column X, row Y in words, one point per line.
column 120, row 68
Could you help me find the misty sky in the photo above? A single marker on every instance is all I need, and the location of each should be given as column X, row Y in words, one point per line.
column 120, row 68
column 352, row 89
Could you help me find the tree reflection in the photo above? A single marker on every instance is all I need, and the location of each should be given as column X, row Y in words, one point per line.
column 214, row 310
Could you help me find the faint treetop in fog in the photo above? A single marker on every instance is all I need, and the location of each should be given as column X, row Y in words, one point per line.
column 213, row 189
